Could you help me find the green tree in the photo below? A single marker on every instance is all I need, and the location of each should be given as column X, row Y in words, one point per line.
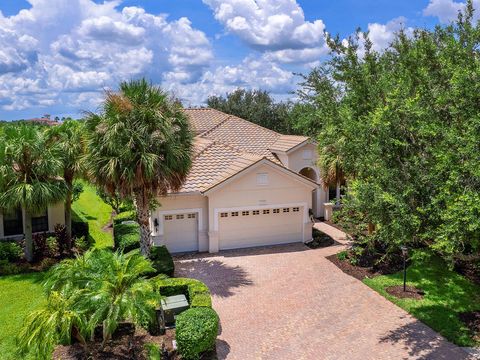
column 29, row 174
column 404, row 123
column 141, row 146
column 256, row 106
column 69, row 138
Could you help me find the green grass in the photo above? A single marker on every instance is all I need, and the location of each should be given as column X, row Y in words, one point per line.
column 91, row 208
column 446, row 294
column 19, row 295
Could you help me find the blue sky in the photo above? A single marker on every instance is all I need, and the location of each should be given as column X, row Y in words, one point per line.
column 58, row 56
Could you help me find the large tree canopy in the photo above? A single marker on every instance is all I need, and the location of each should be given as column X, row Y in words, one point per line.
column 139, row 145
column 405, row 124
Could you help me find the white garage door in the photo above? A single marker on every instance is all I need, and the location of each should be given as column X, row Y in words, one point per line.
column 181, row 232
column 241, row 229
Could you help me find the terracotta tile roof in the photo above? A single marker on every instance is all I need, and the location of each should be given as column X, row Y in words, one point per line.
column 287, row 142
column 214, row 163
column 204, row 119
column 226, row 144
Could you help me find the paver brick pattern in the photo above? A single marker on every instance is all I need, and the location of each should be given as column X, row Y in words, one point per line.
column 290, row 302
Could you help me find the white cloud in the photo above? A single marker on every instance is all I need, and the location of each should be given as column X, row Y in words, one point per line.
column 447, row 10
column 278, row 27
column 60, row 50
column 382, row 35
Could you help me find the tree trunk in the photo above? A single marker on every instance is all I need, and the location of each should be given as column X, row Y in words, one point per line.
column 371, row 228
column 28, row 236
column 337, row 195
column 143, row 218
column 68, row 219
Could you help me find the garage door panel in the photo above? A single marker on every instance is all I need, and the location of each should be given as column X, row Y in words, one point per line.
column 181, row 232
column 260, row 229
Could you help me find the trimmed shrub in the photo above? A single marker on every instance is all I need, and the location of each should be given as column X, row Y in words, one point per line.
column 197, row 293
column 196, row 331
column 126, row 237
column 80, row 229
column 10, row 251
column 125, row 216
column 162, row 260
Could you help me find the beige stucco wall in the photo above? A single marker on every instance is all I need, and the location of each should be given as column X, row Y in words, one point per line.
column 56, row 215
column 183, row 202
column 244, row 191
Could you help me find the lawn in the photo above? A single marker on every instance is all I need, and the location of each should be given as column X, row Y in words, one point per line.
column 19, row 295
column 446, row 294
column 91, row 208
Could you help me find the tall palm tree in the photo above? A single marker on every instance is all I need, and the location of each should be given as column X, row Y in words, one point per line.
column 69, row 137
column 331, row 165
column 29, row 174
column 140, row 145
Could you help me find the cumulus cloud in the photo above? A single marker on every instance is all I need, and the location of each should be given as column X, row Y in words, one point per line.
column 447, row 10
column 382, row 35
column 278, row 27
column 68, row 51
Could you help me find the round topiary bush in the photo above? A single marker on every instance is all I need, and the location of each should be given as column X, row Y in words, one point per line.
column 196, row 331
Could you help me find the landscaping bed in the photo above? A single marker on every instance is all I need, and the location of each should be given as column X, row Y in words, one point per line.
column 410, row 292
column 320, row 240
column 472, row 321
column 357, row 272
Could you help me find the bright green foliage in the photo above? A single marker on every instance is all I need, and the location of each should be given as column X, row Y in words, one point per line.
column 258, row 107
column 446, row 294
column 196, row 331
column 98, row 288
column 140, row 146
column 197, row 292
column 125, row 216
column 10, row 251
column 126, row 237
column 162, row 260
column 90, row 207
column 20, row 295
column 405, row 126
column 29, row 174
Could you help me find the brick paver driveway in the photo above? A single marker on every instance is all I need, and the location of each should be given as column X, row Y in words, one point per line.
column 290, row 302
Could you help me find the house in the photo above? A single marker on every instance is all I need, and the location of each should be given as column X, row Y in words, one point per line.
column 45, row 120
column 12, row 223
column 248, row 186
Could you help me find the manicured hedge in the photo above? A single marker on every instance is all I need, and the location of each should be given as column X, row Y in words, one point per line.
column 162, row 260
column 80, row 228
column 125, row 216
column 196, row 331
column 197, row 293
column 126, row 237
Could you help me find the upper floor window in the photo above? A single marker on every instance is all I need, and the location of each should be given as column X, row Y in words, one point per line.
column 307, row 155
column 262, row 179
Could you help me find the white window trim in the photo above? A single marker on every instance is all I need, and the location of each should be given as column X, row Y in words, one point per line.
column 159, row 215
column 262, row 176
column 304, row 205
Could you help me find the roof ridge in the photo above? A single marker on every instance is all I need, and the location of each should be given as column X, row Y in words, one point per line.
column 254, row 124
column 216, row 125
column 212, row 142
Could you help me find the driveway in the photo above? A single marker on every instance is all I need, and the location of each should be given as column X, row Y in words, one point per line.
column 290, row 302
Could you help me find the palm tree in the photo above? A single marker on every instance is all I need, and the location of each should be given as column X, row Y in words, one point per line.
column 139, row 145
column 69, row 137
column 111, row 287
column 28, row 174
column 331, row 164
column 54, row 323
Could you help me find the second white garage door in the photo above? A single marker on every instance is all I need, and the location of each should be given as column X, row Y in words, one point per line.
column 181, row 232
column 241, row 229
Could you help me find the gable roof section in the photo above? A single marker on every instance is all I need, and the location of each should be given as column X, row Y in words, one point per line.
column 252, row 165
column 285, row 143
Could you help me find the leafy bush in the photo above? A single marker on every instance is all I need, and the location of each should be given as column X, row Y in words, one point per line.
column 197, row 293
column 10, row 251
column 81, row 244
column 196, row 331
column 125, row 216
column 162, row 260
column 126, row 237
column 52, row 246
column 80, row 229
column 342, row 255
column 61, row 236
column 8, row 268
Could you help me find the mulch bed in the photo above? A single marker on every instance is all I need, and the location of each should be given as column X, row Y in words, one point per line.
column 320, row 241
column 126, row 344
column 357, row 272
column 472, row 320
column 410, row 293
column 470, row 270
